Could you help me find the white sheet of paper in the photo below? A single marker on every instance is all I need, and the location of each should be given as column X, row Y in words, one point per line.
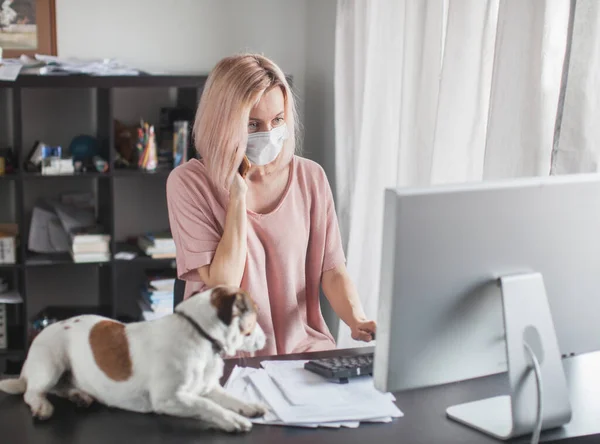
column 358, row 410
column 9, row 72
column 239, row 385
column 302, row 387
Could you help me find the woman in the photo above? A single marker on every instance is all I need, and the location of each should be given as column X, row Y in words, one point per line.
column 272, row 231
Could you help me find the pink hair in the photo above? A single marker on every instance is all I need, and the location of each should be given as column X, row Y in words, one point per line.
column 234, row 86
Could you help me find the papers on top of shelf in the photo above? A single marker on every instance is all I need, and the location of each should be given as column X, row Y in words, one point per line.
column 9, row 72
column 299, row 398
column 97, row 67
column 52, row 65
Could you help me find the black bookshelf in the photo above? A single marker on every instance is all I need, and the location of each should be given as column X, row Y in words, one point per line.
column 188, row 88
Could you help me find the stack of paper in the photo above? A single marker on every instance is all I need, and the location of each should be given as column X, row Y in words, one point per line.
column 297, row 397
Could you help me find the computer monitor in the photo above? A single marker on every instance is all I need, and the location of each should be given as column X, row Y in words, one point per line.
column 471, row 273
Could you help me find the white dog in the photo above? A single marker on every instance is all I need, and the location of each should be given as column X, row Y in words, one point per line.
column 170, row 366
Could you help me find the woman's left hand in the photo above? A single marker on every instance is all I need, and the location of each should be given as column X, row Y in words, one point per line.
column 363, row 330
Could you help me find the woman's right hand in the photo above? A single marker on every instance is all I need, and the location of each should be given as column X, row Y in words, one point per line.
column 239, row 187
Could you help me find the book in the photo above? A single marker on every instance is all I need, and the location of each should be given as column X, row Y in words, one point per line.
column 92, row 234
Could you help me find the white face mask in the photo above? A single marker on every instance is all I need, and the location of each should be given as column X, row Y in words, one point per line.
column 263, row 148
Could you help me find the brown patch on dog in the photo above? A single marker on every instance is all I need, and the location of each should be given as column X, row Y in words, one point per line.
column 66, row 327
column 223, row 298
column 110, row 348
column 76, row 320
column 231, row 302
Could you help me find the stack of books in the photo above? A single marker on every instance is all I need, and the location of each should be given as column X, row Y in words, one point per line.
column 90, row 244
column 157, row 296
column 157, row 245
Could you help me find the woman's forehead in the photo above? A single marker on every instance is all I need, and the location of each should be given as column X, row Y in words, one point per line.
column 270, row 104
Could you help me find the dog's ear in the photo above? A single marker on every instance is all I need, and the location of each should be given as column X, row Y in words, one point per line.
column 246, row 309
column 224, row 299
column 231, row 302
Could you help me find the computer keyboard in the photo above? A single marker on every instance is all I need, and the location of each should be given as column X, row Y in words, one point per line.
column 342, row 368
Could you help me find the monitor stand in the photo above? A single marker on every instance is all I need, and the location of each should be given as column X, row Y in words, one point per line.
column 527, row 319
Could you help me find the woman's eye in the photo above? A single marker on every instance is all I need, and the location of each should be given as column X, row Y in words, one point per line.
column 278, row 120
column 252, row 125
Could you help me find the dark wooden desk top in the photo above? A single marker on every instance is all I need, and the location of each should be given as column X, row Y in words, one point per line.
column 424, row 421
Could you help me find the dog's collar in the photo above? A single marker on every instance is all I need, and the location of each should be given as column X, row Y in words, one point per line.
column 217, row 346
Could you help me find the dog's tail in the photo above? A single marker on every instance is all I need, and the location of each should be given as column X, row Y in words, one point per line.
column 13, row 386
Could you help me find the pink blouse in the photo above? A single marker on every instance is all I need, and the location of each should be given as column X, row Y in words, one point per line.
column 289, row 248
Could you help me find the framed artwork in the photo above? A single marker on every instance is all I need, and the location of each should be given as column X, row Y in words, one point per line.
column 27, row 27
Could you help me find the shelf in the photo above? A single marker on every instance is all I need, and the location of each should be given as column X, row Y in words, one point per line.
column 141, row 257
column 12, row 353
column 93, row 175
column 86, row 81
column 26, row 187
column 39, row 260
column 141, row 173
column 27, row 176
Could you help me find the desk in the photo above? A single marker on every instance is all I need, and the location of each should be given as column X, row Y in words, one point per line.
column 424, row 421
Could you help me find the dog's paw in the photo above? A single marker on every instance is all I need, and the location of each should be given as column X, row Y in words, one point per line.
column 79, row 398
column 42, row 409
column 253, row 410
column 234, row 423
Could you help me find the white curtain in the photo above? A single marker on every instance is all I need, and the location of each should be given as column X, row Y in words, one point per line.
column 440, row 91
column 578, row 142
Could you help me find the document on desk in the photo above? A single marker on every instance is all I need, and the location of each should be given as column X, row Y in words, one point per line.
column 299, row 398
column 302, row 387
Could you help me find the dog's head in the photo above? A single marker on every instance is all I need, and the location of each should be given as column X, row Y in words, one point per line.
column 238, row 314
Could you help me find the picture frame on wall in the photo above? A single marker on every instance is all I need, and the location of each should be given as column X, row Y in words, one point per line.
column 27, row 27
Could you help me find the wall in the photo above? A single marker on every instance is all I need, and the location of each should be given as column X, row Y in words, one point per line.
column 319, row 121
column 185, row 36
